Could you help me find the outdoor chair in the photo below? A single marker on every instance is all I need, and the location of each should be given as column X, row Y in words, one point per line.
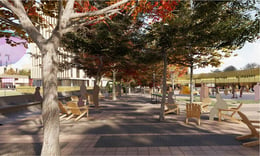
column 220, row 104
column 74, row 98
column 90, row 99
column 101, row 96
column 63, row 111
column 205, row 104
column 229, row 113
column 172, row 108
column 253, row 128
column 193, row 111
column 77, row 111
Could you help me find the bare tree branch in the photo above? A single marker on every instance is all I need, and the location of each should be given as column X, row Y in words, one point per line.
column 64, row 18
column 69, row 6
column 98, row 12
column 132, row 9
column 77, row 24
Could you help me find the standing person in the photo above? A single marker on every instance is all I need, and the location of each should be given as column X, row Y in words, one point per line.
column 257, row 91
column 220, row 104
column 234, row 91
column 204, row 91
column 241, row 91
column 38, row 97
column 230, row 89
column 226, row 90
column 37, row 94
column 83, row 91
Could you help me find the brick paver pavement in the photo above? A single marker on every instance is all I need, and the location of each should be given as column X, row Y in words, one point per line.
column 130, row 126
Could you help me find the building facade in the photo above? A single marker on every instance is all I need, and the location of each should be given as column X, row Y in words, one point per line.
column 69, row 76
column 12, row 81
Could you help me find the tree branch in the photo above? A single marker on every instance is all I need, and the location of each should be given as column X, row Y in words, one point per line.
column 11, row 22
column 98, row 12
column 69, row 6
column 8, row 5
column 60, row 13
column 132, row 9
column 26, row 23
column 64, row 18
column 83, row 23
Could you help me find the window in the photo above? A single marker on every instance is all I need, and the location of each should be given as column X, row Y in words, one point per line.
column 77, row 73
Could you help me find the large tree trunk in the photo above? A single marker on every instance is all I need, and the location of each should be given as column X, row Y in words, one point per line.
column 96, row 92
column 50, row 109
column 162, row 117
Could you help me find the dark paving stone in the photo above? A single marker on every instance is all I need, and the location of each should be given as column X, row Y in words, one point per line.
column 166, row 140
column 20, row 148
column 131, row 129
column 23, row 149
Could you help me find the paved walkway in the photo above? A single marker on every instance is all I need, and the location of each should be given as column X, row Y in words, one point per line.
column 128, row 126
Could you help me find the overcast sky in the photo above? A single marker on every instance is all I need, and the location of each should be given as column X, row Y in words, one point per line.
column 250, row 53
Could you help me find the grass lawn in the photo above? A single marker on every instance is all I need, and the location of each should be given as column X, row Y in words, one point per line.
column 30, row 90
column 229, row 101
column 9, row 93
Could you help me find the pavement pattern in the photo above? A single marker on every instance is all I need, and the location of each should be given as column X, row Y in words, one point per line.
column 128, row 126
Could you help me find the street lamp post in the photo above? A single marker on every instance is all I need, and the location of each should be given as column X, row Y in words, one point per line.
column 172, row 78
column 153, row 82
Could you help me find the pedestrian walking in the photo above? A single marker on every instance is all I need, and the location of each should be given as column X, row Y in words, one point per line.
column 241, row 91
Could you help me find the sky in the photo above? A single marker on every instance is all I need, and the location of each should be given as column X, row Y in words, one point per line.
column 250, row 53
column 10, row 54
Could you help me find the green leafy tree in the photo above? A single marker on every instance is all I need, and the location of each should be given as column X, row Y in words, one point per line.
column 24, row 72
column 202, row 35
column 251, row 66
column 102, row 47
column 230, row 68
column 216, row 71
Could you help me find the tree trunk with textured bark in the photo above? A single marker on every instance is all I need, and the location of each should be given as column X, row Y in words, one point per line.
column 50, row 110
column 162, row 116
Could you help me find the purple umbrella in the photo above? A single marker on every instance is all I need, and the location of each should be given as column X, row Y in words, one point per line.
column 11, row 54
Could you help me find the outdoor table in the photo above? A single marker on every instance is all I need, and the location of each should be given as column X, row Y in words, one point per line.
column 156, row 96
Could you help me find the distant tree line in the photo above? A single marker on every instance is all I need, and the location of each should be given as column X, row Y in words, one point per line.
column 232, row 68
column 11, row 71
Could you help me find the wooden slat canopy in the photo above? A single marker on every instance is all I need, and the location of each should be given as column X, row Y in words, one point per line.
column 239, row 76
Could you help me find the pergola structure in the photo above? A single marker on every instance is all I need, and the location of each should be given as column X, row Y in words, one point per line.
column 245, row 77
